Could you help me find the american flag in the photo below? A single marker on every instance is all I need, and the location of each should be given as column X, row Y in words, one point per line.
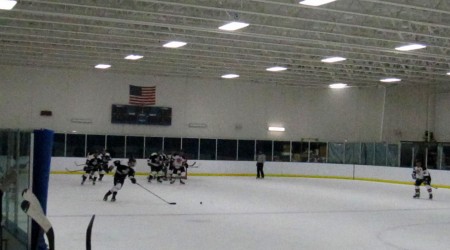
column 142, row 95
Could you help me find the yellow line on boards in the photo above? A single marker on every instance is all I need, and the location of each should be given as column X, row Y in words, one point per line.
column 281, row 175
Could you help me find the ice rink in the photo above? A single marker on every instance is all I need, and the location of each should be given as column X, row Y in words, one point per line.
column 248, row 213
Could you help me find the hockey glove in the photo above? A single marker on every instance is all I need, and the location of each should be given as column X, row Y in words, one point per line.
column 413, row 175
column 133, row 180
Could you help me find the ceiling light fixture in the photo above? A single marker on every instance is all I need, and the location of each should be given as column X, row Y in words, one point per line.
column 174, row 44
column 7, row 4
column 338, row 85
column 410, row 47
column 230, row 76
column 233, row 26
column 333, row 59
column 315, row 2
column 102, row 66
column 276, row 68
column 390, row 79
column 277, row 129
column 133, row 57
column 448, row 73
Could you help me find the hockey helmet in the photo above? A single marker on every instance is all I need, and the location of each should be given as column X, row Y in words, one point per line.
column 131, row 162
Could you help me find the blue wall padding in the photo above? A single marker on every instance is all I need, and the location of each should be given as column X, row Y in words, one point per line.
column 43, row 144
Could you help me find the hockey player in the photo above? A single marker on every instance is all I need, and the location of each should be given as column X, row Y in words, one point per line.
column 165, row 164
column 104, row 168
column 178, row 168
column 421, row 175
column 155, row 163
column 91, row 169
column 122, row 171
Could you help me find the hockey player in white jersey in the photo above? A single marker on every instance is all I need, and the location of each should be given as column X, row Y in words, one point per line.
column 178, row 168
column 421, row 175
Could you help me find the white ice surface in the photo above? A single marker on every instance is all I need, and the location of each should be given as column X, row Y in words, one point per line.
column 248, row 213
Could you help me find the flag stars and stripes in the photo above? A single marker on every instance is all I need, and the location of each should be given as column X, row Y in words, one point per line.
column 142, row 95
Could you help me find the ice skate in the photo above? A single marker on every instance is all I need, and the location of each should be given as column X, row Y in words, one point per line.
column 105, row 198
column 430, row 196
column 172, row 181
column 182, row 182
column 416, row 196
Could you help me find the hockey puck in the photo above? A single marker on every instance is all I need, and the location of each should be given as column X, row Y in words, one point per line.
column 201, row 203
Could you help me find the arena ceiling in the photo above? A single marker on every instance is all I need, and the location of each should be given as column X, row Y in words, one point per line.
column 81, row 34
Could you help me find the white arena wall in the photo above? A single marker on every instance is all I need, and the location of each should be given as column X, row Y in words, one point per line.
column 231, row 109
column 283, row 169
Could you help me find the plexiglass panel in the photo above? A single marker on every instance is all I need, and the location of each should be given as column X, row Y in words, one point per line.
column 96, row 143
column 116, row 146
column 336, row 152
column 15, row 148
column 246, row 150
column 153, row 145
column 282, row 151
column 190, row 148
column 76, row 145
column 135, row 147
column 207, row 149
column 172, row 145
column 227, row 150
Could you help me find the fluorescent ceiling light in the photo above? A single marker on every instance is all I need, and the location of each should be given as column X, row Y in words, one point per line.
column 448, row 73
column 230, row 76
column 411, row 47
column 278, row 129
column 338, row 85
column 391, row 79
column 174, row 44
column 315, row 2
column 276, row 68
column 333, row 59
column 102, row 66
column 7, row 4
column 134, row 57
column 233, row 26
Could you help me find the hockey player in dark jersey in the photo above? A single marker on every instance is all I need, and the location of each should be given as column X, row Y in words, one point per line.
column 165, row 160
column 104, row 168
column 122, row 171
column 156, row 164
column 421, row 175
column 91, row 169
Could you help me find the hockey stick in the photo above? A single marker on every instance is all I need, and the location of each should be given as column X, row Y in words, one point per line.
column 192, row 164
column 76, row 170
column 76, row 164
column 170, row 203
column 32, row 207
column 89, row 233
